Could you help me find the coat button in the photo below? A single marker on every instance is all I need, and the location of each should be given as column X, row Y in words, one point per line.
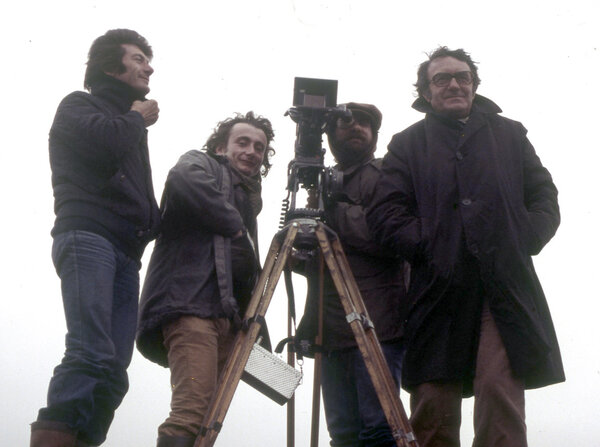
column 459, row 155
column 466, row 202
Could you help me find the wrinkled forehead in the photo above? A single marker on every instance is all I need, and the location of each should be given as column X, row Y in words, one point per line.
column 446, row 64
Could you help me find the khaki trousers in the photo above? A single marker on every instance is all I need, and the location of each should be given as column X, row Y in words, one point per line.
column 499, row 411
column 197, row 351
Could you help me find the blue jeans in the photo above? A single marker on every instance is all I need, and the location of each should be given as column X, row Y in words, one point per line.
column 352, row 410
column 100, row 288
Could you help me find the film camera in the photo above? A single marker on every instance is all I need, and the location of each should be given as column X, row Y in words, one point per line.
column 314, row 108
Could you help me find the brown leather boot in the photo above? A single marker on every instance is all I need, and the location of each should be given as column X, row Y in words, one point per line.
column 52, row 434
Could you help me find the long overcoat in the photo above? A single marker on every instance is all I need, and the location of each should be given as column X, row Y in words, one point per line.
column 468, row 205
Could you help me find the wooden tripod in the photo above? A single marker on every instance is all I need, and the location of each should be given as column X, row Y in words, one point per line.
column 356, row 315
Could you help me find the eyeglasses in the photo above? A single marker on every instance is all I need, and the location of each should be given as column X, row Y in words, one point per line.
column 444, row 79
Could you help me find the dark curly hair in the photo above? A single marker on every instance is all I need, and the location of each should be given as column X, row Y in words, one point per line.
column 106, row 54
column 220, row 135
column 422, row 83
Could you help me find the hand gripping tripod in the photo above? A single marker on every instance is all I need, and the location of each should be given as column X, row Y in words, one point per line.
column 356, row 315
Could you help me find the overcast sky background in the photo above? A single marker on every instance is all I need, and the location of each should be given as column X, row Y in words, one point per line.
column 539, row 62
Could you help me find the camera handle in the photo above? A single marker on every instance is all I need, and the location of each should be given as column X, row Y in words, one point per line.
column 356, row 314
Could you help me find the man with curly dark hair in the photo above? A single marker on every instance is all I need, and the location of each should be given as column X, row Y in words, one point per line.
column 221, row 134
column 106, row 213
column 204, row 267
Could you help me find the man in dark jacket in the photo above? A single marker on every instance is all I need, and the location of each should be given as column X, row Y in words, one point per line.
column 106, row 213
column 465, row 199
column 204, row 267
column 352, row 410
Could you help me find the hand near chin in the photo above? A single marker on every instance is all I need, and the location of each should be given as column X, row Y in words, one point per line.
column 148, row 109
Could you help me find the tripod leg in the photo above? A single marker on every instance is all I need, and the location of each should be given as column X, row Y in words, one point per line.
column 291, row 405
column 316, row 397
column 259, row 303
column 370, row 349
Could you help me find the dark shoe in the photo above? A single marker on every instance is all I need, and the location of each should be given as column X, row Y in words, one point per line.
column 52, row 434
column 175, row 441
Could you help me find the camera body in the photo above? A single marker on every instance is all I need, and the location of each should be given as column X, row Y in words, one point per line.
column 314, row 109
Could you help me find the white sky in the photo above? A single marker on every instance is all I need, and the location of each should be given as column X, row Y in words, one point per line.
column 538, row 60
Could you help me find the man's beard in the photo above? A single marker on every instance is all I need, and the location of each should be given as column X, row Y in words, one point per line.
column 352, row 151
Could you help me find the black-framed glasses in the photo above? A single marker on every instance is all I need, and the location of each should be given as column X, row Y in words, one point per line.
column 444, row 79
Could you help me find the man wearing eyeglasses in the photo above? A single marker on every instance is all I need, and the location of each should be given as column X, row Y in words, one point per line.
column 464, row 197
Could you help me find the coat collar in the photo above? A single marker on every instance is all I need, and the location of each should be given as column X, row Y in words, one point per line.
column 115, row 91
column 480, row 104
column 351, row 169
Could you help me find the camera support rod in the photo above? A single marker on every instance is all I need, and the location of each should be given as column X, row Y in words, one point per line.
column 356, row 315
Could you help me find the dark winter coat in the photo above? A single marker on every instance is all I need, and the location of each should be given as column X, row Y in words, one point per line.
column 190, row 269
column 469, row 206
column 101, row 169
column 379, row 273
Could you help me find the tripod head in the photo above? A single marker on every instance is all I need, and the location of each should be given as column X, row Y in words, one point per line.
column 314, row 109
